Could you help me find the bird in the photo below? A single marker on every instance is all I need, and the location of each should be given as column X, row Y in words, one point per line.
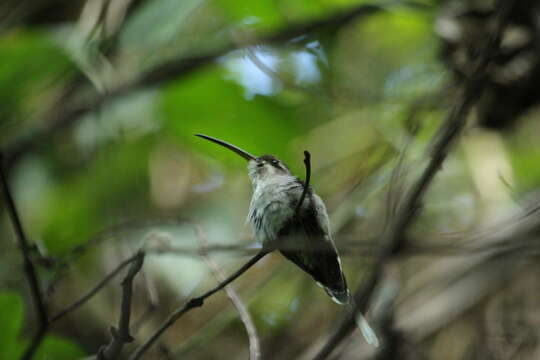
column 289, row 217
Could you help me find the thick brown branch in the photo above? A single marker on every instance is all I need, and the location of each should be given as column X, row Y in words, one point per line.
column 193, row 303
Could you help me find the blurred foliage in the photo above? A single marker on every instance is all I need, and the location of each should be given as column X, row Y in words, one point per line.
column 12, row 319
column 237, row 119
column 53, row 347
column 31, row 65
column 361, row 95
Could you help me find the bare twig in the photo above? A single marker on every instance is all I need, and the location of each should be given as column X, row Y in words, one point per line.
column 121, row 336
column 29, row 269
column 307, row 163
column 95, row 290
column 254, row 344
column 394, row 239
column 193, row 303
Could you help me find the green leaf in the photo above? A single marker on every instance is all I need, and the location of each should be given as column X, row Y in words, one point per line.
column 384, row 69
column 30, row 63
column 261, row 15
column 57, row 348
column 525, row 160
column 270, row 14
column 11, row 324
column 81, row 206
column 157, row 23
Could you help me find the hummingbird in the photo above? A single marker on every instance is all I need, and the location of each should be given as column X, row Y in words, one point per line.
column 292, row 219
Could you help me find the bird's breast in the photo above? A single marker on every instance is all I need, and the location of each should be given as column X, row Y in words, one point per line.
column 272, row 206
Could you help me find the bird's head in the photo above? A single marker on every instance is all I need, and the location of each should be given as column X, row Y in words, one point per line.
column 260, row 168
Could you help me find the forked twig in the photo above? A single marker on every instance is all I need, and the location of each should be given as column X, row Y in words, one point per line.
column 121, row 335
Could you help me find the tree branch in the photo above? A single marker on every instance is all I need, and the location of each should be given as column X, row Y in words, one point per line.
column 29, row 269
column 193, row 303
column 394, row 240
column 121, row 336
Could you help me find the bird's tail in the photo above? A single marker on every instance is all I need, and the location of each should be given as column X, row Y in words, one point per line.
column 367, row 331
column 342, row 296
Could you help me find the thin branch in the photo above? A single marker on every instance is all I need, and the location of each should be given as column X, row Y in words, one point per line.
column 307, row 163
column 395, row 239
column 29, row 269
column 254, row 344
column 121, row 336
column 75, row 305
column 193, row 303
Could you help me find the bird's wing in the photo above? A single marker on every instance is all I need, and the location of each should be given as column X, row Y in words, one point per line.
column 306, row 241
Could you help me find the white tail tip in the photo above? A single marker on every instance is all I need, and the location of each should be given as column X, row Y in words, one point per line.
column 366, row 330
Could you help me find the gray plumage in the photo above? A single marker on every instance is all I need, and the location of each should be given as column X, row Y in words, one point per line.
column 304, row 237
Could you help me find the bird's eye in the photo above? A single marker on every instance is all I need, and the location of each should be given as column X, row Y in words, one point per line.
column 275, row 162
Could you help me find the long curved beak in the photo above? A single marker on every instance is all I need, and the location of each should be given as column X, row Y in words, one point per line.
column 237, row 150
